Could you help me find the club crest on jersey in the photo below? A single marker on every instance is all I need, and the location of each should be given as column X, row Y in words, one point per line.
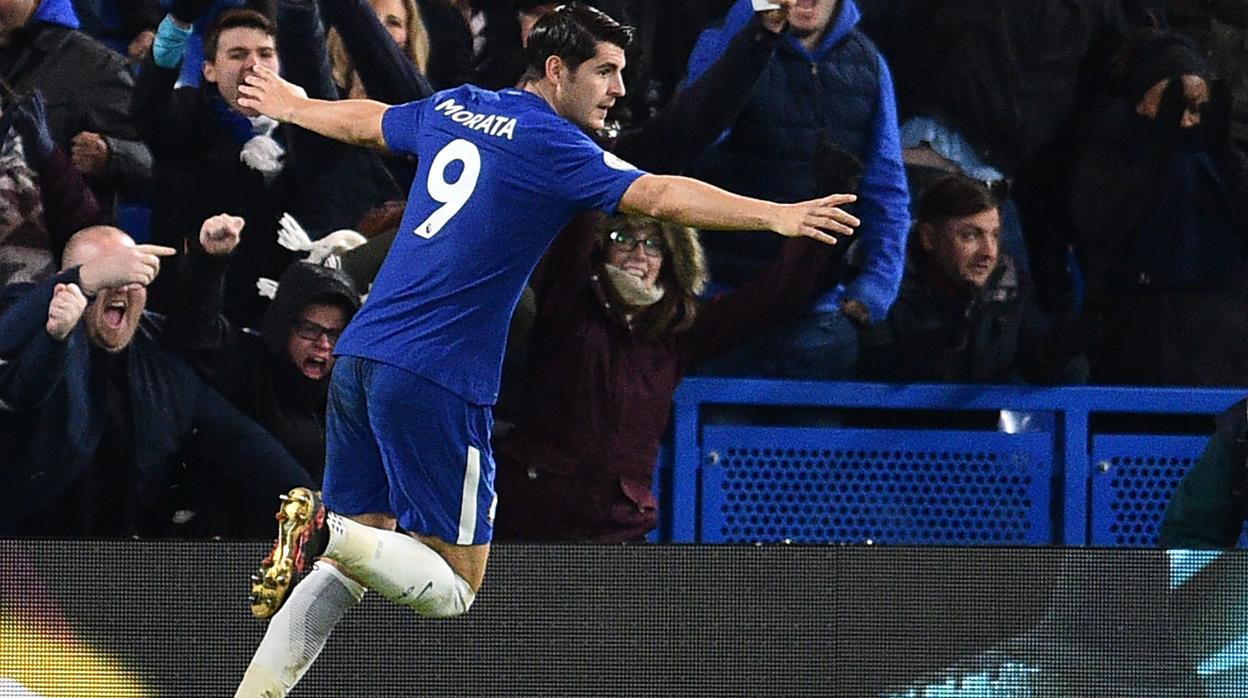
column 490, row 124
column 615, row 162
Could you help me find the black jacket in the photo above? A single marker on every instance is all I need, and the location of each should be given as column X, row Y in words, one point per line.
column 56, row 400
column 991, row 335
column 1006, row 74
column 253, row 370
column 86, row 87
column 325, row 184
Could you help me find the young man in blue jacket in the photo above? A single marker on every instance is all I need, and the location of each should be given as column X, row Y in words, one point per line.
column 826, row 91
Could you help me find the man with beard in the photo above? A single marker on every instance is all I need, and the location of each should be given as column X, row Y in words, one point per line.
column 98, row 416
column 280, row 377
column 966, row 311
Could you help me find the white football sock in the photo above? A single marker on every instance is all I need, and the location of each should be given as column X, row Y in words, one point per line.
column 298, row 631
column 399, row 568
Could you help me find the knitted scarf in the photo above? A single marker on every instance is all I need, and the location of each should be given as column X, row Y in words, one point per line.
column 24, row 254
column 260, row 150
column 634, row 292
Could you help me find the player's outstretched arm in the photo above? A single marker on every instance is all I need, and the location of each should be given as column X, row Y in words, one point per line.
column 700, row 205
column 355, row 121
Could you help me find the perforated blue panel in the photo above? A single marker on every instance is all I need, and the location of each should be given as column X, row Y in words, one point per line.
column 809, row 485
column 1133, row 478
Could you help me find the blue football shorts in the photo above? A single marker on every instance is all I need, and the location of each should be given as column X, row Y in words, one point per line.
column 400, row 444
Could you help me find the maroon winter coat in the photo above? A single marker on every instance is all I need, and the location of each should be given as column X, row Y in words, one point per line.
column 579, row 462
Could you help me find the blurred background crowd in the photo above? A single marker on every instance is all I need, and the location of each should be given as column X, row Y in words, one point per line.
column 1051, row 192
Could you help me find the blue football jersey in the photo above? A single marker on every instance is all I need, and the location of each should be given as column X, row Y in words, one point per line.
column 500, row 174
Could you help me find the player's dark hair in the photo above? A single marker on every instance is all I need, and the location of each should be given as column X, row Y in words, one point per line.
column 572, row 32
column 233, row 19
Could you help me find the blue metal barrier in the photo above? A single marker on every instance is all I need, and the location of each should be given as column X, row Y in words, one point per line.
column 752, row 483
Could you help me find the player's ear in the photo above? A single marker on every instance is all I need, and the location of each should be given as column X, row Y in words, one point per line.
column 554, row 68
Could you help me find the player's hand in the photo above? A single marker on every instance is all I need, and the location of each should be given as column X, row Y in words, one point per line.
column 219, row 235
column 266, row 92
column 123, row 266
column 775, row 21
column 66, row 308
column 817, row 218
column 89, row 152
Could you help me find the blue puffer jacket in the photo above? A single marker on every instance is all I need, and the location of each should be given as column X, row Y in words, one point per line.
column 840, row 92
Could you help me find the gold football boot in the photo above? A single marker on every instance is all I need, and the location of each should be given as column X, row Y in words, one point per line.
column 301, row 538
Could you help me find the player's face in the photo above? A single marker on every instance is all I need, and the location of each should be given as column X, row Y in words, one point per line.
column 311, row 342
column 239, row 51
column 586, row 94
column 639, row 253
column 966, row 249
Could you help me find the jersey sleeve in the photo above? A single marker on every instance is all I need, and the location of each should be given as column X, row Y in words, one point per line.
column 585, row 174
column 400, row 126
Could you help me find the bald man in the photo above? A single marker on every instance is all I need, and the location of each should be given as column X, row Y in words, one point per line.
column 98, row 417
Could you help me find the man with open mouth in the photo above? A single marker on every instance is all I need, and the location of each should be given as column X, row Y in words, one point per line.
column 99, row 419
column 280, row 376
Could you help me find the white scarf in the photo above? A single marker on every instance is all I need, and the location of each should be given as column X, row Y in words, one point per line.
column 634, row 292
column 262, row 153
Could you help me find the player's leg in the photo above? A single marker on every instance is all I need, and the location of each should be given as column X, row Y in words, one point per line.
column 434, row 578
column 437, row 456
column 307, row 616
column 297, row 633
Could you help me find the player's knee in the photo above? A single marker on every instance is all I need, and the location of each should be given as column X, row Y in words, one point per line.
column 454, row 600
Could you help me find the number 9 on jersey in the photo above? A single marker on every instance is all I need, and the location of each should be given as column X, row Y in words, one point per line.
column 452, row 195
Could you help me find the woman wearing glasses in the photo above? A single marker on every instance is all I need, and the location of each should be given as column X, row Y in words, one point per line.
column 618, row 324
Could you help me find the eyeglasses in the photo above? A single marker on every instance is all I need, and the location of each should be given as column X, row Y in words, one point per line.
column 653, row 246
column 311, row 331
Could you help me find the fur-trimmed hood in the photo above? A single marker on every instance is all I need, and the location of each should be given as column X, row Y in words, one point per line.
column 687, row 258
column 685, row 263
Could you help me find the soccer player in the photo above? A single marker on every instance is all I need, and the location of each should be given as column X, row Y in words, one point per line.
column 409, row 406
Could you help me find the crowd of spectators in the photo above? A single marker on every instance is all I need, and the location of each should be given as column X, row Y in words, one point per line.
column 1050, row 192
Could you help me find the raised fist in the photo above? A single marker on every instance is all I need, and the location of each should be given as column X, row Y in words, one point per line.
column 220, row 234
column 67, row 306
column 89, row 152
